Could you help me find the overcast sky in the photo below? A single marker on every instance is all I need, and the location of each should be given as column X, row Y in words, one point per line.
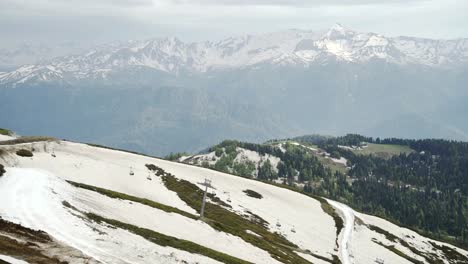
column 101, row 21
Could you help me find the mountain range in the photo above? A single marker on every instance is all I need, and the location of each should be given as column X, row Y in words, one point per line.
column 292, row 47
column 165, row 95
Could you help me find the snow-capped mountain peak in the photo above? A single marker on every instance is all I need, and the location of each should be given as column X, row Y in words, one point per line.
column 291, row 47
column 338, row 31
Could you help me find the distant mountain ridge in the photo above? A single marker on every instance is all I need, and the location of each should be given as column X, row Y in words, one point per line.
column 292, row 47
column 161, row 96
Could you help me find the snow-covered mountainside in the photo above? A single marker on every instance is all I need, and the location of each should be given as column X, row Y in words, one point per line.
column 110, row 206
column 293, row 47
column 233, row 157
column 242, row 156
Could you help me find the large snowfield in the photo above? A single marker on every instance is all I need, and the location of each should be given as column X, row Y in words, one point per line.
column 33, row 190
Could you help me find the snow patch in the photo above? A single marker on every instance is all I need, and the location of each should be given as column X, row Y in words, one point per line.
column 5, row 138
column 12, row 260
column 255, row 157
column 340, row 160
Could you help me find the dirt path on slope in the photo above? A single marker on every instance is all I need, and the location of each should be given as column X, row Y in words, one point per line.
column 346, row 234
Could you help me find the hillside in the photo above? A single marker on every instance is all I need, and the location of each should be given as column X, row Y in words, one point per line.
column 393, row 178
column 110, row 206
column 296, row 160
column 266, row 161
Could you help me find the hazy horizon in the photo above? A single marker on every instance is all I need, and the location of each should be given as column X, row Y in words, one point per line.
column 87, row 23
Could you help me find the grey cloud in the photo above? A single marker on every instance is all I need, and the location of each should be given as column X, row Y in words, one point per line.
column 297, row 3
column 107, row 2
column 107, row 20
column 67, row 5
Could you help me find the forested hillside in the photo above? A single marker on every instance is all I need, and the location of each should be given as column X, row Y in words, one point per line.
column 421, row 184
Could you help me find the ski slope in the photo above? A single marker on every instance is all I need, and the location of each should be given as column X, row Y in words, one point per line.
column 33, row 190
column 346, row 234
column 33, row 198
